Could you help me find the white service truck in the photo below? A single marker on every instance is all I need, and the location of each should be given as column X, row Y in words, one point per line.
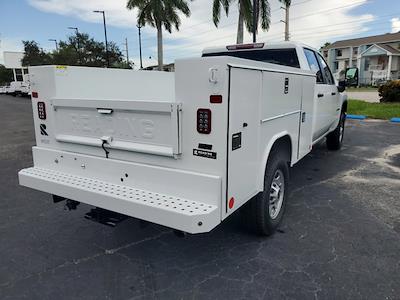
column 184, row 149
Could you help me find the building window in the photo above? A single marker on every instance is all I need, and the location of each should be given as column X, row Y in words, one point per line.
column 18, row 75
column 335, row 66
column 338, row 52
column 326, row 53
column 355, row 51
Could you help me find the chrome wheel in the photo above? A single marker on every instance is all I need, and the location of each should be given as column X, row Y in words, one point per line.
column 276, row 194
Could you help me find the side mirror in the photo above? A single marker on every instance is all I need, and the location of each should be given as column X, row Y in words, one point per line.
column 342, row 86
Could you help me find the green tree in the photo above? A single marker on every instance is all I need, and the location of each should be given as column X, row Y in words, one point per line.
column 34, row 55
column 6, row 75
column 245, row 8
column 82, row 50
column 324, row 46
column 78, row 50
column 159, row 14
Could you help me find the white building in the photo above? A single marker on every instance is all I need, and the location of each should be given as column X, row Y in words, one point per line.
column 376, row 57
column 12, row 60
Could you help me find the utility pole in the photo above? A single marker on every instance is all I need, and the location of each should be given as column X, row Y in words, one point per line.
column 286, row 8
column 140, row 46
column 127, row 53
column 105, row 34
column 55, row 41
column 255, row 23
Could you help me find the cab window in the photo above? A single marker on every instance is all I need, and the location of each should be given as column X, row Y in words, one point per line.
column 314, row 65
column 283, row 57
column 326, row 72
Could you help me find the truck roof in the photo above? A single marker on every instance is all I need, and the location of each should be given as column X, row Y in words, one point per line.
column 259, row 45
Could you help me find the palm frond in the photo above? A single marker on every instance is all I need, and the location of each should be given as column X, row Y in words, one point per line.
column 216, row 11
column 265, row 12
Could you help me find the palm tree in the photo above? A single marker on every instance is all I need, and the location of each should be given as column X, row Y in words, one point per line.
column 287, row 5
column 159, row 13
column 245, row 15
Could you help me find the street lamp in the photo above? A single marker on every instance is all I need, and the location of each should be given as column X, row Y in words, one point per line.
column 55, row 41
column 74, row 28
column 105, row 33
column 77, row 41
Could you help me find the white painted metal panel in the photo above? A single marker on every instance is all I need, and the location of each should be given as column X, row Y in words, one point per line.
column 198, row 186
column 306, row 117
column 148, row 127
column 244, row 125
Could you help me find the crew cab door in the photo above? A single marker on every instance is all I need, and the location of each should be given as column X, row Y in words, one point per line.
column 333, row 96
column 323, row 106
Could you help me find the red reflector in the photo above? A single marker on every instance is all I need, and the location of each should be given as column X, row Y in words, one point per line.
column 34, row 95
column 41, row 107
column 215, row 99
column 245, row 46
column 204, row 120
column 231, row 202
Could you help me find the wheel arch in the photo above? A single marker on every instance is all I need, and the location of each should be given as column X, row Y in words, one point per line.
column 344, row 105
column 282, row 139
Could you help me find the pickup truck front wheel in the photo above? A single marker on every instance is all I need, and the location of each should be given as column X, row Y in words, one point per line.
column 265, row 211
column 335, row 138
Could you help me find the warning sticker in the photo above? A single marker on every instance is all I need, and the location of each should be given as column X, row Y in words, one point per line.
column 61, row 70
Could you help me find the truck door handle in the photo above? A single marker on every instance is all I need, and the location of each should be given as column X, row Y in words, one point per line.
column 320, row 95
column 333, row 94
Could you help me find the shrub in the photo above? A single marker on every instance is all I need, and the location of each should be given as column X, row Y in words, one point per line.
column 390, row 91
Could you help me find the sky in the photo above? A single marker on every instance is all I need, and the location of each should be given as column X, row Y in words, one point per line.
column 313, row 22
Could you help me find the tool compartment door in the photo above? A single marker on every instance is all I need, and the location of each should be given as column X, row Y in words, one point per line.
column 138, row 126
column 243, row 133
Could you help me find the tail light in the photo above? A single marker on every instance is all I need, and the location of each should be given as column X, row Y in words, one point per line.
column 204, row 120
column 41, row 106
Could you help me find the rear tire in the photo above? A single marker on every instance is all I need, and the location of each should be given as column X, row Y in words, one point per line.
column 334, row 140
column 265, row 211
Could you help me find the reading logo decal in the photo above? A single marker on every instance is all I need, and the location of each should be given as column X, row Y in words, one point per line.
column 206, row 154
column 43, row 129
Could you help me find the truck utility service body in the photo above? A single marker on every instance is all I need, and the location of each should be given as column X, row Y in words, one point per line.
column 184, row 149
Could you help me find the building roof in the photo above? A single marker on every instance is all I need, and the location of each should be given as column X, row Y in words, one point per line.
column 375, row 39
column 389, row 48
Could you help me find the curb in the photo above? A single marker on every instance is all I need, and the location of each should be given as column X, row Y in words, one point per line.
column 357, row 117
column 395, row 120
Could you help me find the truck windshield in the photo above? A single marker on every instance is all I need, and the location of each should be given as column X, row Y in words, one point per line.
column 285, row 57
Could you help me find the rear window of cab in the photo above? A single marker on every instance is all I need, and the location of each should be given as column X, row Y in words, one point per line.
column 285, row 57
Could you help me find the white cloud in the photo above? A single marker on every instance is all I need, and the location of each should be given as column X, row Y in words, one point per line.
column 312, row 21
column 395, row 25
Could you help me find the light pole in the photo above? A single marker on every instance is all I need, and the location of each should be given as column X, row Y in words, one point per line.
column 77, row 42
column 105, row 33
column 255, row 9
column 55, row 41
column 140, row 46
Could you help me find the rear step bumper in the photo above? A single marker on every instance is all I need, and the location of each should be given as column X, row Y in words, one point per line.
column 175, row 212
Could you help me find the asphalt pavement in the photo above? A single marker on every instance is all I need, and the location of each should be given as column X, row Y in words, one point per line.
column 340, row 238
